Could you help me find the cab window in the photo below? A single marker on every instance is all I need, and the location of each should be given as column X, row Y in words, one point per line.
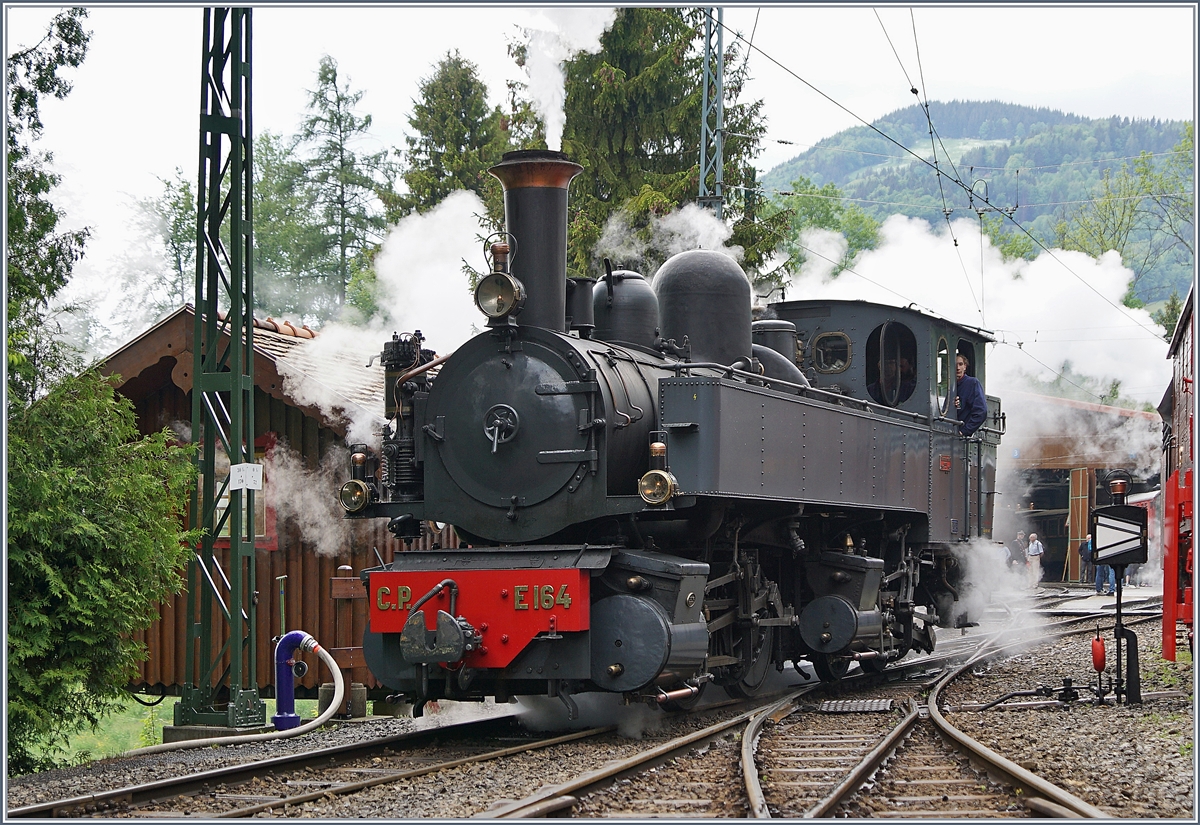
column 831, row 352
column 945, row 370
column 891, row 375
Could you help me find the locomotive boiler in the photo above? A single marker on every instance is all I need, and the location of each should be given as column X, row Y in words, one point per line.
column 654, row 491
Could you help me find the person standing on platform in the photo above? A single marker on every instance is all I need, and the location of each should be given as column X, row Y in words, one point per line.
column 1087, row 568
column 1016, row 552
column 1105, row 573
column 1035, row 552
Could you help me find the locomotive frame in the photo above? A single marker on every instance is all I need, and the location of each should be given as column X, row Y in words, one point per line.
column 654, row 492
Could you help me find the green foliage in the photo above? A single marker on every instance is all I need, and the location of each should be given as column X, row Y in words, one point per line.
column 162, row 281
column 94, row 543
column 293, row 258
column 808, row 206
column 1168, row 316
column 626, row 107
column 1010, row 241
column 1170, row 194
column 456, row 139
column 151, row 732
column 633, row 115
column 1068, row 383
column 345, row 181
column 1144, row 212
column 40, row 256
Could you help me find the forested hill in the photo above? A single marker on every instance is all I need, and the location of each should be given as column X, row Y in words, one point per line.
column 1043, row 162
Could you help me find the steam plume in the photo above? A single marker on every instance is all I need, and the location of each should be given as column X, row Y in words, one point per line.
column 557, row 35
column 1056, row 308
column 419, row 285
column 690, row 227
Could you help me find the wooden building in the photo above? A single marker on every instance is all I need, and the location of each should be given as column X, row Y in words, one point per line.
column 1052, row 464
column 155, row 371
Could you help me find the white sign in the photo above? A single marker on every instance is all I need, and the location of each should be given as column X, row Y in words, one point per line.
column 1115, row 536
column 245, row 477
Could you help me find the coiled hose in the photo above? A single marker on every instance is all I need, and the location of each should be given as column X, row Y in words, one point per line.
column 339, row 693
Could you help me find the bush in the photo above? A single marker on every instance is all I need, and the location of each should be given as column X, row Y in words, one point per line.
column 95, row 541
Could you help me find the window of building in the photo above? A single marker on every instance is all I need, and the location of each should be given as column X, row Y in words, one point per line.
column 831, row 352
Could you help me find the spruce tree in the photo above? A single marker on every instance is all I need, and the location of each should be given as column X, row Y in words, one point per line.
column 346, row 179
column 456, row 138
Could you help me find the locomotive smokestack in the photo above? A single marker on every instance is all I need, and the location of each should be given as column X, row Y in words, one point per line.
column 535, row 213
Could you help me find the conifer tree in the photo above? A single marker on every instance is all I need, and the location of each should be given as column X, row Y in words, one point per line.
column 456, row 138
column 633, row 118
column 345, row 178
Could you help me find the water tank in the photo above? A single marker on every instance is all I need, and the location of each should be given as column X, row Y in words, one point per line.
column 777, row 335
column 704, row 295
column 625, row 309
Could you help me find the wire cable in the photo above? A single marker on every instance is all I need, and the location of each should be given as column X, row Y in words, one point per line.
column 934, row 167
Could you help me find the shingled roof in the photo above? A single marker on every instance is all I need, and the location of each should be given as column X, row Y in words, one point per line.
column 288, row 364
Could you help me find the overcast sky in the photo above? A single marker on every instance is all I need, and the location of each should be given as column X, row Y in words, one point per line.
column 132, row 117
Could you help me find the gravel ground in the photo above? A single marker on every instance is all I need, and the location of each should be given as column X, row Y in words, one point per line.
column 1130, row 761
column 117, row 772
column 707, row 783
column 474, row 789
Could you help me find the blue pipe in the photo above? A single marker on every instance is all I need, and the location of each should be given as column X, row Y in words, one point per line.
column 285, row 717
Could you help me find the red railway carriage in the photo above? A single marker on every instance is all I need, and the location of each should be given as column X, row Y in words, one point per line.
column 1178, row 409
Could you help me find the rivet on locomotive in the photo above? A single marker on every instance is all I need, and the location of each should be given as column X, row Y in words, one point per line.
column 654, row 492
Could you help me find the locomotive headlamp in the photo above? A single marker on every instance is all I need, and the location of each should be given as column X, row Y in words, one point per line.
column 354, row 495
column 657, row 487
column 499, row 295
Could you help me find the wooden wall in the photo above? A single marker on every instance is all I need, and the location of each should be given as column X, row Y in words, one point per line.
column 308, row 602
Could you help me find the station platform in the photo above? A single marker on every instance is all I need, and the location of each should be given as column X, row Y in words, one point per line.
column 1087, row 600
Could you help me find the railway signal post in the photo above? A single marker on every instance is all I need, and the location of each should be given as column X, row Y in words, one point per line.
column 1119, row 531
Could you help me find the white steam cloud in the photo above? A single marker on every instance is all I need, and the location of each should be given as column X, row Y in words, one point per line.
column 306, row 498
column 1064, row 306
column 557, row 35
column 1008, row 590
column 1059, row 307
column 690, row 227
column 420, row 285
column 420, row 271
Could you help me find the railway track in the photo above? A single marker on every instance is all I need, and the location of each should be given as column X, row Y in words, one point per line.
column 698, row 776
column 693, row 775
column 869, row 764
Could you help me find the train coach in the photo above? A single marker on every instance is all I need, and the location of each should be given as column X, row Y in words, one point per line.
column 1178, row 409
column 655, row 492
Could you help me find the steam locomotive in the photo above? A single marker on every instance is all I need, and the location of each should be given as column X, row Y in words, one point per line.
column 655, row 492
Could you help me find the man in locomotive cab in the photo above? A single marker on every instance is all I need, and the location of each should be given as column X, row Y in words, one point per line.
column 881, row 391
column 908, row 378
column 969, row 401
column 897, row 377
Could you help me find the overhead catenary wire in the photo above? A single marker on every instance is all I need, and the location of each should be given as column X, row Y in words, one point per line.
column 786, row 192
column 751, row 47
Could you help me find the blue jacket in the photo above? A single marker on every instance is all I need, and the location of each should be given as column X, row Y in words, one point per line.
column 972, row 405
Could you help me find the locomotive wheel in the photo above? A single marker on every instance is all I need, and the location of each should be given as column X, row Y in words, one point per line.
column 757, row 643
column 830, row 668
